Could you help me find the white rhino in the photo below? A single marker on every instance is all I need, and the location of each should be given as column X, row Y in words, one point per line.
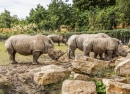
column 97, row 43
column 31, row 45
column 76, row 41
column 58, row 38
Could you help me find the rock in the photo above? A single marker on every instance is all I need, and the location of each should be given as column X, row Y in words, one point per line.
column 114, row 78
column 3, row 79
column 114, row 87
column 119, row 60
column 128, row 55
column 89, row 65
column 123, row 68
column 78, row 87
column 50, row 74
column 81, row 77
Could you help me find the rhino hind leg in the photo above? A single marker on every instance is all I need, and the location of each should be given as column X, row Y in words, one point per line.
column 36, row 55
column 12, row 56
column 95, row 55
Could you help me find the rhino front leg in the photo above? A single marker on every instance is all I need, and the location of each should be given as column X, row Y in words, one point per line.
column 71, row 53
column 86, row 52
column 36, row 56
column 109, row 55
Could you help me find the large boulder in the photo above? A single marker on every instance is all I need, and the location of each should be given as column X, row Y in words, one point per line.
column 123, row 68
column 119, row 60
column 81, row 77
column 50, row 74
column 89, row 65
column 116, row 87
column 78, row 87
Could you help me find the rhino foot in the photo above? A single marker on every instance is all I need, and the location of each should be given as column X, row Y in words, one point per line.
column 35, row 63
column 14, row 62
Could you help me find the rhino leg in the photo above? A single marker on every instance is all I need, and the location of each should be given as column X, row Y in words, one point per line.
column 109, row 55
column 95, row 55
column 58, row 43
column 36, row 56
column 86, row 52
column 100, row 55
column 71, row 53
column 12, row 57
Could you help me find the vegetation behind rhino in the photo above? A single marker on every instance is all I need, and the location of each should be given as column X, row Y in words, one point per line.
column 31, row 45
column 60, row 38
column 95, row 43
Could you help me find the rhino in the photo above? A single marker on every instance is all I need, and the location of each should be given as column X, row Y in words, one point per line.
column 76, row 41
column 87, row 42
column 31, row 45
column 58, row 38
column 110, row 46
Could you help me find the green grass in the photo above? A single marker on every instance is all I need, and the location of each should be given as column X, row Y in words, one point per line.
column 2, row 47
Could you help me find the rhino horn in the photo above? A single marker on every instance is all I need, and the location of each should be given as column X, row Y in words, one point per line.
column 61, row 53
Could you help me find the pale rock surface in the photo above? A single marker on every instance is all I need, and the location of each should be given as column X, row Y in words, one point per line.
column 78, row 87
column 123, row 68
column 81, row 77
column 119, row 60
column 115, row 87
column 50, row 74
column 89, row 65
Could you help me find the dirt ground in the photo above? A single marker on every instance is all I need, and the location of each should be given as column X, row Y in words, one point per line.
column 21, row 83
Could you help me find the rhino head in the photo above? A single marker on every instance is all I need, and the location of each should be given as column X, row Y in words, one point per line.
column 122, row 51
column 129, row 45
column 55, row 54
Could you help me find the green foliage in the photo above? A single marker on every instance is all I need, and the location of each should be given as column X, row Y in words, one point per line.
column 101, row 88
column 82, row 15
column 7, row 21
column 1, row 91
column 88, row 4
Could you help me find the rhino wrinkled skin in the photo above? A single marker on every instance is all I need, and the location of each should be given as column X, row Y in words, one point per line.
column 60, row 38
column 30, row 45
column 97, row 43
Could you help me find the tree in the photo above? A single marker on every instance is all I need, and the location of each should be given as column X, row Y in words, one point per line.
column 124, row 9
column 61, row 12
column 87, row 4
column 6, row 20
column 37, row 15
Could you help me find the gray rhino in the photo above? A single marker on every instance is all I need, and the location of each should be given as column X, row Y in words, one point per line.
column 110, row 46
column 76, row 41
column 31, row 45
column 89, row 42
column 58, row 38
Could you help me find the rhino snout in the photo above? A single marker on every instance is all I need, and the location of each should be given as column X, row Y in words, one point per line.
column 56, row 54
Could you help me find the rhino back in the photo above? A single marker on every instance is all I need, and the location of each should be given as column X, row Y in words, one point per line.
column 54, row 38
column 103, row 44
